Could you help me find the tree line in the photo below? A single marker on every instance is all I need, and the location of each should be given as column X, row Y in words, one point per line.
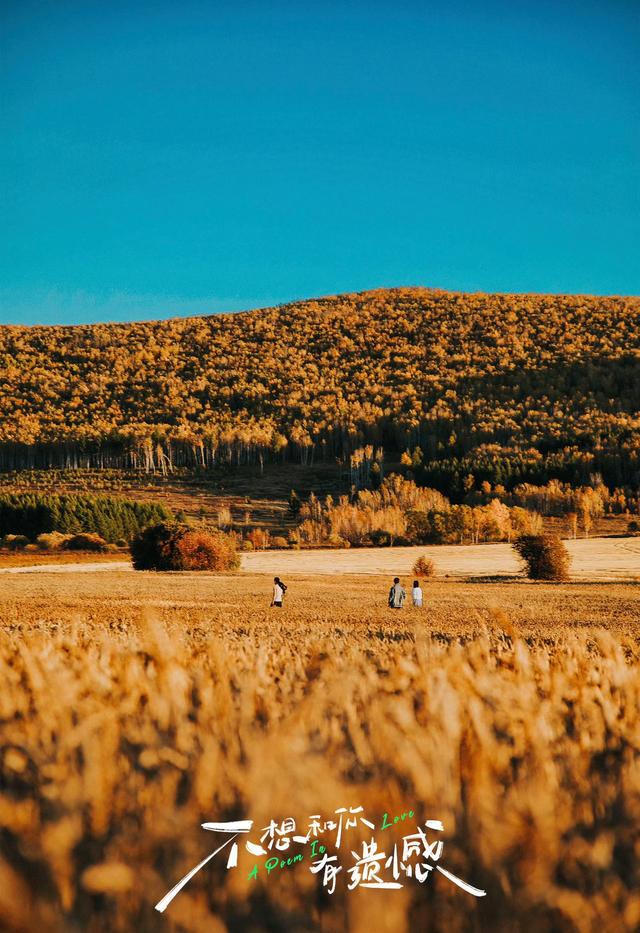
column 113, row 519
column 402, row 513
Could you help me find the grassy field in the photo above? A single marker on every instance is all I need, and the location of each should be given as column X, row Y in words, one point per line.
column 137, row 706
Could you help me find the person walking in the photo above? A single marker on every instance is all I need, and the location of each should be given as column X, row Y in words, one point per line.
column 416, row 594
column 397, row 595
column 279, row 589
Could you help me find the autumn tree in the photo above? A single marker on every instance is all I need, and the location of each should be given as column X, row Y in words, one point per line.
column 169, row 546
column 545, row 557
column 294, row 503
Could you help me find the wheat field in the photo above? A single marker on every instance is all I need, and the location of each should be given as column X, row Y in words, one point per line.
column 135, row 707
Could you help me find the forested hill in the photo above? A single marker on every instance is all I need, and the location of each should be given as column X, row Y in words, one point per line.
column 529, row 375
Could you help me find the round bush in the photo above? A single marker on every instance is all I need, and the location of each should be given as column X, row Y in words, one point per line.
column 152, row 548
column 202, row 550
column 379, row 538
column 179, row 547
column 424, row 567
column 51, row 541
column 15, row 542
column 545, row 557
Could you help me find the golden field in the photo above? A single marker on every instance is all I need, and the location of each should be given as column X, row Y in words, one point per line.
column 135, row 707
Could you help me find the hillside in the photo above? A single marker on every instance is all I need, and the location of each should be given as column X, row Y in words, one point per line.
column 532, row 386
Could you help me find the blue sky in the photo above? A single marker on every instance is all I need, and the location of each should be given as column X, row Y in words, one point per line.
column 180, row 158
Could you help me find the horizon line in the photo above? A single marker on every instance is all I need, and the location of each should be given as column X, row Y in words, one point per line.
column 323, row 297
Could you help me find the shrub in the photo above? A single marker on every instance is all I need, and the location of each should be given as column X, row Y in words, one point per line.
column 15, row 542
column 545, row 557
column 179, row 547
column 52, row 541
column 202, row 550
column 279, row 542
column 152, row 548
column 633, row 527
column 247, row 545
column 85, row 541
column 424, row 567
column 379, row 538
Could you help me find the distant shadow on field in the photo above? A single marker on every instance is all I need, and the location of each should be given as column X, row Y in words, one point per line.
column 497, row 578
column 494, row 578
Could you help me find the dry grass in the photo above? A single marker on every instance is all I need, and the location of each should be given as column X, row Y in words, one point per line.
column 135, row 707
column 40, row 558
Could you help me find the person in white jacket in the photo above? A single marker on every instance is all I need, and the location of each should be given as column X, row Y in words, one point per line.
column 279, row 589
column 416, row 594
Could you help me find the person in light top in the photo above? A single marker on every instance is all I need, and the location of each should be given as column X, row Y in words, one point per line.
column 279, row 589
column 416, row 594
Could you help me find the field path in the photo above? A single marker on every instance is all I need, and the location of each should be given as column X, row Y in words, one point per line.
column 593, row 559
column 80, row 567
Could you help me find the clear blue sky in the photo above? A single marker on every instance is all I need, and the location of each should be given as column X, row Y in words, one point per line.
column 188, row 157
